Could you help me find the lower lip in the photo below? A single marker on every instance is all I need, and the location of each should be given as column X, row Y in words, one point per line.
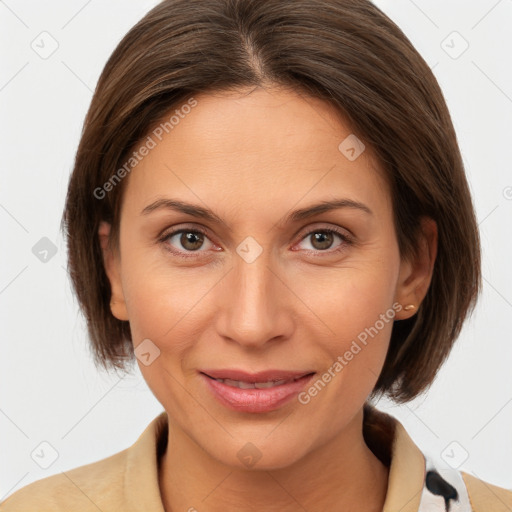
column 256, row 400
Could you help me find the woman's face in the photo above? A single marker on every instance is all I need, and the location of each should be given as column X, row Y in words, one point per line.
column 266, row 280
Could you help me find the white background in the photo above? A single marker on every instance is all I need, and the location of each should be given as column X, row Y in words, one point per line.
column 50, row 390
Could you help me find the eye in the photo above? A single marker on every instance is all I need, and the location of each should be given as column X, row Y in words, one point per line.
column 187, row 240
column 324, row 239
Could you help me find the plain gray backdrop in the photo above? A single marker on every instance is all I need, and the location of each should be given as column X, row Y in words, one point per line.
column 57, row 411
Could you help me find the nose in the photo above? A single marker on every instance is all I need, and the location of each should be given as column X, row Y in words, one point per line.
column 255, row 306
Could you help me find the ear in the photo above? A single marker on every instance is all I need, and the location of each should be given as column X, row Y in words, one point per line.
column 416, row 271
column 112, row 264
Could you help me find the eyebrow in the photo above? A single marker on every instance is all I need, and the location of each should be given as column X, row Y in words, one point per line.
column 325, row 206
column 297, row 215
column 183, row 207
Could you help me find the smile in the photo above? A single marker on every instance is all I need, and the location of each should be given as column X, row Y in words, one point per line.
column 255, row 393
column 253, row 385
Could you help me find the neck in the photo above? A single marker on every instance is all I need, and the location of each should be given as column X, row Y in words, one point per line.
column 342, row 474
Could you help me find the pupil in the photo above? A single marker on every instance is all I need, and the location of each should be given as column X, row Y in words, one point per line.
column 191, row 241
column 323, row 239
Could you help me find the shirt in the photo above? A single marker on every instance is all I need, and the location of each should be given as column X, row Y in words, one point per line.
column 128, row 480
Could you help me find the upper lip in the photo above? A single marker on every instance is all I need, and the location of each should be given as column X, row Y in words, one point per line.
column 264, row 376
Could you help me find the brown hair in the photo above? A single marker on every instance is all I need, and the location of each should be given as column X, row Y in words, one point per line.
column 346, row 52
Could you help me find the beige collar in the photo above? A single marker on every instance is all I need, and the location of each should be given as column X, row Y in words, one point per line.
column 406, row 474
column 405, row 483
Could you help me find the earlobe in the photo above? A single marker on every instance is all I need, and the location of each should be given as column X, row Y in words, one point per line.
column 112, row 269
column 417, row 270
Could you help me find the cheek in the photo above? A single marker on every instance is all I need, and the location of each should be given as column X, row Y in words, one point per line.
column 361, row 322
column 163, row 305
column 357, row 308
column 160, row 297
column 350, row 300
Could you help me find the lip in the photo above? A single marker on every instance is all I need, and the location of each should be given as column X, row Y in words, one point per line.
column 255, row 400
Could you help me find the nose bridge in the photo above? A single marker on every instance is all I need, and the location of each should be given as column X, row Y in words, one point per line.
column 255, row 309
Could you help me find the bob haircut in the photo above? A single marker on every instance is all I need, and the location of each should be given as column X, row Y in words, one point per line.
column 345, row 52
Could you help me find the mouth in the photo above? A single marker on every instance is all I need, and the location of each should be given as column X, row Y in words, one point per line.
column 240, row 384
column 255, row 392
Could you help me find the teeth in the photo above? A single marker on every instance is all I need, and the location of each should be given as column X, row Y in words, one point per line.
column 239, row 384
column 271, row 384
column 252, row 385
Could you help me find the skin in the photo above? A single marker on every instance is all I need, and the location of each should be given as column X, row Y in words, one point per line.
column 252, row 157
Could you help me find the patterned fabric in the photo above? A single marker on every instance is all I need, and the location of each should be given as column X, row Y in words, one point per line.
column 443, row 490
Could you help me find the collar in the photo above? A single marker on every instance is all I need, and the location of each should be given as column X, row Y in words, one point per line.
column 385, row 436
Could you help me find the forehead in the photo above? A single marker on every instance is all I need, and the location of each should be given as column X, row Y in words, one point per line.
column 253, row 148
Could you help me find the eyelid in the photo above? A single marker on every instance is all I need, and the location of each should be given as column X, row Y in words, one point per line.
column 346, row 236
column 167, row 233
column 344, row 233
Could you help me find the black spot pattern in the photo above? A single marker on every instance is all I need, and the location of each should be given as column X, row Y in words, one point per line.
column 437, row 485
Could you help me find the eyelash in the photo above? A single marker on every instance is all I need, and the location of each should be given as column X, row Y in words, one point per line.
column 165, row 237
column 346, row 239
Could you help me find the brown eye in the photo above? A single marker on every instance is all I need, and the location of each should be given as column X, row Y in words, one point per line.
column 187, row 240
column 191, row 240
column 321, row 240
column 324, row 240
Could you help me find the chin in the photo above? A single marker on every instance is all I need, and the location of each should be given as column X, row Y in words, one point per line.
column 254, row 456
column 269, row 448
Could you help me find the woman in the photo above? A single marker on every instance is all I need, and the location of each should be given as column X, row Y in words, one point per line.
column 269, row 211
